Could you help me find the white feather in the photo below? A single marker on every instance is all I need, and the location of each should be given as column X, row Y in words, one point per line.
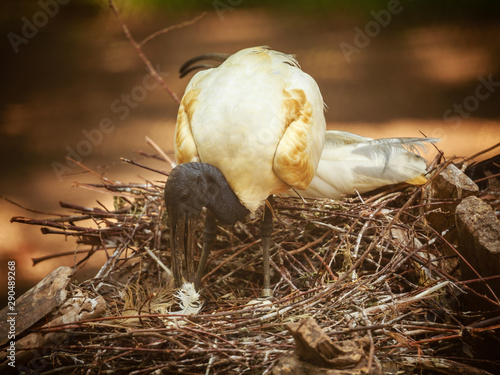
column 189, row 300
column 351, row 163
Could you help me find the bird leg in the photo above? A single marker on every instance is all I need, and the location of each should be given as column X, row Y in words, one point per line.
column 266, row 230
column 208, row 242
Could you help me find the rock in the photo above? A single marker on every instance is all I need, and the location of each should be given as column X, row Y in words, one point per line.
column 290, row 365
column 443, row 195
column 78, row 306
column 479, row 243
column 315, row 353
column 36, row 302
column 448, row 187
column 451, row 183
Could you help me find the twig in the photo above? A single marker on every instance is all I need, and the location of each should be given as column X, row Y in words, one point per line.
column 130, row 161
column 28, row 209
column 58, row 255
column 311, row 244
column 161, row 152
column 482, row 152
column 143, row 57
column 84, row 167
column 160, row 263
column 173, row 27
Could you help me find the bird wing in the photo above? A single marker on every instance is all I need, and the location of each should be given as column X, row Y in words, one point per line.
column 184, row 143
column 299, row 149
column 302, row 114
column 351, row 163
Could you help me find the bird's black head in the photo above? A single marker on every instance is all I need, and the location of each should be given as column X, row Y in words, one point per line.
column 186, row 191
column 192, row 186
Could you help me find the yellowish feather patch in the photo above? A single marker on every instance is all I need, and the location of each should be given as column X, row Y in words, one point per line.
column 293, row 160
column 185, row 146
column 419, row 180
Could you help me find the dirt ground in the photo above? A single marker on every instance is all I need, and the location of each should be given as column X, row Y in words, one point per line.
column 78, row 88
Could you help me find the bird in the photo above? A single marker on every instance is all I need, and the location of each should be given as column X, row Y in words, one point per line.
column 250, row 128
column 253, row 126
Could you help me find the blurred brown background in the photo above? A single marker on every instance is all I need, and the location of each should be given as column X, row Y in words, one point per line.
column 385, row 68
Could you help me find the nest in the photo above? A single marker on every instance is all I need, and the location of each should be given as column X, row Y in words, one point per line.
column 369, row 269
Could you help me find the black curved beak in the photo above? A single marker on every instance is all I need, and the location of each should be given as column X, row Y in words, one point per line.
column 183, row 242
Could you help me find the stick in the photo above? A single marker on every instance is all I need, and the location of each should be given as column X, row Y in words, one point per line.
column 161, row 152
column 143, row 57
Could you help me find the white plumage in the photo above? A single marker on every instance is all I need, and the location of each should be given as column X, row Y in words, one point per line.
column 351, row 163
column 259, row 119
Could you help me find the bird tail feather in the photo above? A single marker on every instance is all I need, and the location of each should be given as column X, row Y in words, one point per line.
column 351, row 163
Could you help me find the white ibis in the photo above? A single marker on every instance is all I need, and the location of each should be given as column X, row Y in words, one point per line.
column 250, row 128
column 253, row 127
